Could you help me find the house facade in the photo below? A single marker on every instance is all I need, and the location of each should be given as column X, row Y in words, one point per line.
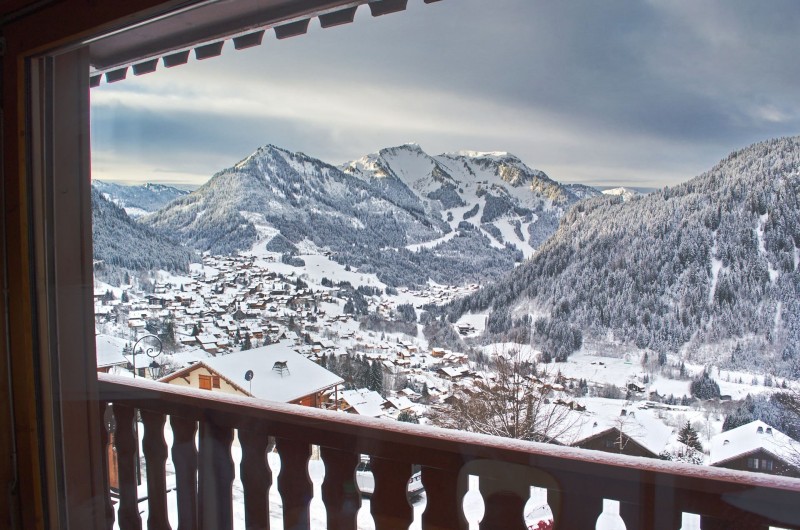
column 758, row 447
column 273, row 373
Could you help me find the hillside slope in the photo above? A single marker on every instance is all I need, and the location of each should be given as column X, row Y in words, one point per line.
column 707, row 269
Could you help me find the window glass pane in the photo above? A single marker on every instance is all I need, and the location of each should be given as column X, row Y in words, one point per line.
column 570, row 282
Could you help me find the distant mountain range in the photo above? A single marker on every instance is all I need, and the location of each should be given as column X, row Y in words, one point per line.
column 704, row 267
column 399, row 213
column 138, row 200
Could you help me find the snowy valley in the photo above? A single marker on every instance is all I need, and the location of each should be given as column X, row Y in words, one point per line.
column 655, row 325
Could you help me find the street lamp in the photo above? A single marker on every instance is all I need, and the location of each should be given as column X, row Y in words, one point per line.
column 150, row 351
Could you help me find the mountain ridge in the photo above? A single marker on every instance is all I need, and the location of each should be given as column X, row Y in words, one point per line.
column 399, row 212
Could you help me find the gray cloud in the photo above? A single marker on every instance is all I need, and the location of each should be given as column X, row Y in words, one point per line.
column 589, row 91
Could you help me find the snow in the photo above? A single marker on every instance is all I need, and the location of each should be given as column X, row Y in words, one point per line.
column 750, row 437
column 716, row 267
column 364, row 402
column 109, row 350
column 135, row 212
column 599, row 369
column 667, row 387
column 625, row 193
column 476, row 320
column 433, row 242
column 482, row 154
column 762, row 221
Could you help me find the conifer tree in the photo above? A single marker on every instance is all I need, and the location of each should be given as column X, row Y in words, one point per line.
column 375, row 378
column 688, row 436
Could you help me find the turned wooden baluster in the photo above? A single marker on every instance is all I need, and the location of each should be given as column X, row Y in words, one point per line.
column 256, row 479
column 155, row 455
column 504, row 498
column 643, row 508
column 104, row 437
column 445, row 490
column 389, row 503
column 127, row 455
column 215, row 475
column 578, row 504
column 294, row 484
column 339, row 489
column 184, row 457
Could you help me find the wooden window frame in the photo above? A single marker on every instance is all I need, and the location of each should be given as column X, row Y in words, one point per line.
column 204, row 382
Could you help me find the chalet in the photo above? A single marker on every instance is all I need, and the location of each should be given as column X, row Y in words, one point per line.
column 410, row 394
column 109, row 352
column 400, row 403
column 208, row 343
column 136, row 324
column 466, row 329
column 438, row 352
column 636, row 386
column 454, row 374
column 758, row 447
column 279, row 374
column 362, row 402
column 630, row 435
column 188, row 340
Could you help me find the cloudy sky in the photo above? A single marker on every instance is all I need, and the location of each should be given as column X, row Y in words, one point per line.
column 635, row 93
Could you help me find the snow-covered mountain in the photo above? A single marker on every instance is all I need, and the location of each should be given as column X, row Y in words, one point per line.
column 495, row 192
column 399, row 213
column 626, row 193
column 138, row 200
column 703, row 268
column 122, row 243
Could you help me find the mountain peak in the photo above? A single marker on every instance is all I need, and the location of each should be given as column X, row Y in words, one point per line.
column 485, row 154
column 626, row 193
column 411, row 147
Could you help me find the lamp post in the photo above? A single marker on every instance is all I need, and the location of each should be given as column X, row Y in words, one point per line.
column 149, row 351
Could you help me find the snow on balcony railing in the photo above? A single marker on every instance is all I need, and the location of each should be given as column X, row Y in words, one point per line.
column 651, row 493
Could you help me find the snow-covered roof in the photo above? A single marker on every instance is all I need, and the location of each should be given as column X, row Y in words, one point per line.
column 109, row 350
column 302, row 377
column 641, row 426
column 454, row 372
column 752, row 437
column 364, row 402
column 401, row 402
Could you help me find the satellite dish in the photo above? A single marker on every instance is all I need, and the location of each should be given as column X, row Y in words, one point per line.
column 248, row 376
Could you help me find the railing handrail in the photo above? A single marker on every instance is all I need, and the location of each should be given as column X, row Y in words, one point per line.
column 427, row 445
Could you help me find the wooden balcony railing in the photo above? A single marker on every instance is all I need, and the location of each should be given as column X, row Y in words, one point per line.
column 652, row 494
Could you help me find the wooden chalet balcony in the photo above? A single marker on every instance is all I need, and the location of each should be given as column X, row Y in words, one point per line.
column 652, row 494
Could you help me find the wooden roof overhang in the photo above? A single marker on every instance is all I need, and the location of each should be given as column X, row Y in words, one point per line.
column 204, row 27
